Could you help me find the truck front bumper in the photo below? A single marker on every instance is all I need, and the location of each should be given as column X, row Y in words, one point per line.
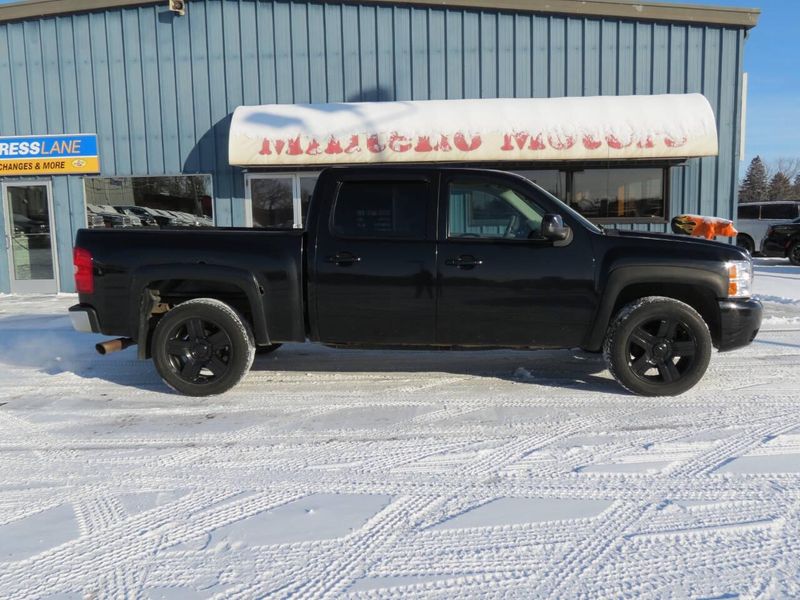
column 84, row 318
column 740, row 319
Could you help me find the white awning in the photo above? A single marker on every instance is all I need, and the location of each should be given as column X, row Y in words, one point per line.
column 503, row 129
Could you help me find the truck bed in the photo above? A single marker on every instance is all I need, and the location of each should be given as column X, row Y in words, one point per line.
column 125, row 260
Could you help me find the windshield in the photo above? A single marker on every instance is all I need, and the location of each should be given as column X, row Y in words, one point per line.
column 565, row 207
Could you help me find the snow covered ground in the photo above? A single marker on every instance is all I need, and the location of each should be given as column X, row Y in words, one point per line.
column 363, row 474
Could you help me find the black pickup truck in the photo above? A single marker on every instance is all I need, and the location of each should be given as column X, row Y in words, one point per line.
column 783, row 240
column 417, row 257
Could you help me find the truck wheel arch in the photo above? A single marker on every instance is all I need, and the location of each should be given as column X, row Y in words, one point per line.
column 147, row 281
column 699, row 288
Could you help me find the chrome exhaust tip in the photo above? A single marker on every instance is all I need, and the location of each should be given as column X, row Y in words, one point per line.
column 113, row 345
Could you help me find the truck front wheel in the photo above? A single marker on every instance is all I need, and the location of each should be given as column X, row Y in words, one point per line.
column 202, row 347
column 657, row 346
column 794, row 254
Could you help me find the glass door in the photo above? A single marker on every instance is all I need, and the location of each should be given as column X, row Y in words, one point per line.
column 27, row 207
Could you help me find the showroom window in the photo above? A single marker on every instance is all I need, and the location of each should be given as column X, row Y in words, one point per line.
column 551, row 180
column 278, row 200
column 614, row 194
column 632, row 194
column 163, row 201
column 608, row 194
column 272, row 202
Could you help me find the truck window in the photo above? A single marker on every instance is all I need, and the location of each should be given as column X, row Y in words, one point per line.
column 748, row 211
column 782, row 210
column 381, row 209
column 493, row 211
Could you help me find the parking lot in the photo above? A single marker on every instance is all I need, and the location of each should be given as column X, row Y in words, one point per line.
column 360, row 473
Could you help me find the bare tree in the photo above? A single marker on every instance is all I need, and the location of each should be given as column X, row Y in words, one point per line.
column 786, row 165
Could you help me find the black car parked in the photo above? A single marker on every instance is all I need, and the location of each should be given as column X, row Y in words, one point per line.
column 417, row 257
column 783, row 240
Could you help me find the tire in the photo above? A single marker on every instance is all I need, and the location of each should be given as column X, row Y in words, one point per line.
column 794, row 254
column 261, row 350
column 745, row 242
column 202, row 347
column 657, row 346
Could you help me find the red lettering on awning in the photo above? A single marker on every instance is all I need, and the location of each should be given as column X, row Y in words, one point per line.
column 590, row 143
column 615, row 143
column 673, row 143
column 461, row 142
column 399, row 143
column 353, row 146
column 423, row 144
column 313, row 148
column 373, row 145
column 294, row 146
column 334, row 147
column 556, row 143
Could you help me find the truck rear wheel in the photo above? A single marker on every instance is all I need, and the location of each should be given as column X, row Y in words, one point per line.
column 657, row 346
column 202, row 347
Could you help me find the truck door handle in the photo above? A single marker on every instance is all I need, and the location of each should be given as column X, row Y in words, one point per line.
column 465, row 261
column 343, row 259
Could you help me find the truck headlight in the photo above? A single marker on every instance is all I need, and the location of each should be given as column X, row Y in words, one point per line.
column 740, row 278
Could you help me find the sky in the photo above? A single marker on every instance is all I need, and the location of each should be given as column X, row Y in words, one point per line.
column 772, row 61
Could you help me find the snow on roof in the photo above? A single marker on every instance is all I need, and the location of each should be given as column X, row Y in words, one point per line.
column 503, row 129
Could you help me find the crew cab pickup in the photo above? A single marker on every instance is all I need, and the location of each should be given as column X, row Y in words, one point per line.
column 417, row 257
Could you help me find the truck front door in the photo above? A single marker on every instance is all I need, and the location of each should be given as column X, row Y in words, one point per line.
column 375, row 260
column 500, row 282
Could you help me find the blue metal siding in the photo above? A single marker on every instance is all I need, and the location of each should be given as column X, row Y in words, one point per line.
column 159, row 89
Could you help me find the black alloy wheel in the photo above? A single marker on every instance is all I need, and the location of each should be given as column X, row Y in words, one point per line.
column 198, row 350
column 794, row 254
column 202, row 347
column 661, row 350
column 657, row 346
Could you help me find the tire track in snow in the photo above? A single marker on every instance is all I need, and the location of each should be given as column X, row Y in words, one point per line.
column 734, row 447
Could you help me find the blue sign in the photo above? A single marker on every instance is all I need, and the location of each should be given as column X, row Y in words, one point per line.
column 49, row 154
column 48, row 146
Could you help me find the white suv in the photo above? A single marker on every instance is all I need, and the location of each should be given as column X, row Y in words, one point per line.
column 755, row 217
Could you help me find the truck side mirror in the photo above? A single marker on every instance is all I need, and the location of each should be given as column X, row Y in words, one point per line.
column 553, row 228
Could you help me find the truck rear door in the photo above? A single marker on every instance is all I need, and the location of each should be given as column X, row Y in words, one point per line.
column 374, row 262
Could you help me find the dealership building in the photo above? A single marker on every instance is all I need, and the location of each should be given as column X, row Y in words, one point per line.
column 130, row 113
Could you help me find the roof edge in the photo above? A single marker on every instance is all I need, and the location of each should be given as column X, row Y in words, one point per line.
column 745, row 18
